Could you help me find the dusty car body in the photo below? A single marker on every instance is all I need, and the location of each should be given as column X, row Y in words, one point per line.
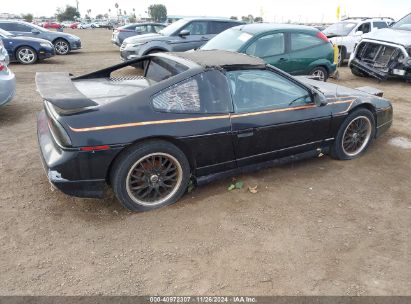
column 385, row 53
column 198, row 116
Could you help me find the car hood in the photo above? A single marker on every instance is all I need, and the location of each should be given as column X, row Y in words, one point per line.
column 396, row 36
column 145, row 38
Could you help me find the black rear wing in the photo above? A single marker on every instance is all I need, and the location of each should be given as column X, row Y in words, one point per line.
column 58, row 89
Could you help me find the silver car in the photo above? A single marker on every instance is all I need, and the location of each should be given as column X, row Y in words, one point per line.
column 7, row 78
column 182, row 35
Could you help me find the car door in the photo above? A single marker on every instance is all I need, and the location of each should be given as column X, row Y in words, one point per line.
column 271, row 48
column 274, row 116
column 198, row 35
column 305, row 48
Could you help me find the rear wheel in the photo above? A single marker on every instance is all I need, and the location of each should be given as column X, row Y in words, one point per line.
column 61, row 46
column 26, row 55
column 354, row 135
column 150, row 175
column 342, row 54
column 320, row 72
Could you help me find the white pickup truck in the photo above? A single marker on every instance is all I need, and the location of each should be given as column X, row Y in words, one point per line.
column 348, row 32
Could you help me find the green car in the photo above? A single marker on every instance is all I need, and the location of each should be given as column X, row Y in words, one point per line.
column 298, row 50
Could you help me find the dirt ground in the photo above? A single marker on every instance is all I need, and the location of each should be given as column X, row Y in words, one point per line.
column 318, row 227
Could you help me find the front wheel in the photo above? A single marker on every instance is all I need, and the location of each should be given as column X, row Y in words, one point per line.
column 62, row 47
column 320, row 73
column 355, row 135
column 26, row 55
column 150, row 175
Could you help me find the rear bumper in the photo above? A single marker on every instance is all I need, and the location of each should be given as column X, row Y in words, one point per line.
column 7, row 87
column 74, row 172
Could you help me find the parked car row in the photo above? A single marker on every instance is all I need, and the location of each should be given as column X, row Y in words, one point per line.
column 27, row 43
column 298, row 50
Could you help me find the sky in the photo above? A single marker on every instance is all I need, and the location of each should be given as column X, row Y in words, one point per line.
column 270, row 10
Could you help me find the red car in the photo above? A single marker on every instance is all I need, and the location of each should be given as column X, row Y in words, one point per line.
column 74, row 25
column 53, row 25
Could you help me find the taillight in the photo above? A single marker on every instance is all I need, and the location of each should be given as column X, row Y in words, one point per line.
column 124, row 30
column 2, row 67
column 322, row 36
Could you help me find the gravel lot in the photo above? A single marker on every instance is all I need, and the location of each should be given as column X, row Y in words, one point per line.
column 318, row 227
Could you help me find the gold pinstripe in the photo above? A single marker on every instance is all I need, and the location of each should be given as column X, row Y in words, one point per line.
column 169, row 121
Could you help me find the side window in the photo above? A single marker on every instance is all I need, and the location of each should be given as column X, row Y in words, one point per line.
column 217, row 27
column 207, row 92
column 183, row 97
column 269, row 45
column 22, row 28
column 301, row 41
column 7, row 26
column 379, row 24
column 157, row 28
column 256, row 90
column 141, row 29
column 197, row 28
column 365, row 27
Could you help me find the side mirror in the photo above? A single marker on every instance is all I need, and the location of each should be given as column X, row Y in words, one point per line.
column 358, row 33
column 184, row 33
column 35, row 31
column 319, row 99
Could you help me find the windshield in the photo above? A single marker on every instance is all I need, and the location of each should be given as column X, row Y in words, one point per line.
column 339, row 29
column 172, row 28
column 404, row 23
column 4, row 33
column 229, row 40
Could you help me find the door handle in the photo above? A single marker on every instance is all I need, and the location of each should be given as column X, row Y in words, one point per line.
column 204, row 38
column 247, row 133
column 283, row 59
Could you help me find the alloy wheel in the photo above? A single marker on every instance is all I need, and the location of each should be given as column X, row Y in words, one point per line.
column 61, row 47
column 153, row 179
column 319, row 74
column 26, row 55
column 356, row 135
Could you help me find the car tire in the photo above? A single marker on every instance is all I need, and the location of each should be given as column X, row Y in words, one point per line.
column 357, row 72
column 26, row 55
column 150, row 175
column 342, row 54
column 320, row 72
column 61, row 46
column 354, row 136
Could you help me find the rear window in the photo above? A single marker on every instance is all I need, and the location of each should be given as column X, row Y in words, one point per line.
column 301, row 41
column 161, row 68
column 207, row 92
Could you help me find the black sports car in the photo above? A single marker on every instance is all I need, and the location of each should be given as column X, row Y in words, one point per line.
column 193, row 115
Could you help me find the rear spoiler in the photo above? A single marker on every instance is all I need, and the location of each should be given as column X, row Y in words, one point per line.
column 58, row 89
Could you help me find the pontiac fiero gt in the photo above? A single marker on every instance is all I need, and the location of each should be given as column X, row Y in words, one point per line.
column 195, row 115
